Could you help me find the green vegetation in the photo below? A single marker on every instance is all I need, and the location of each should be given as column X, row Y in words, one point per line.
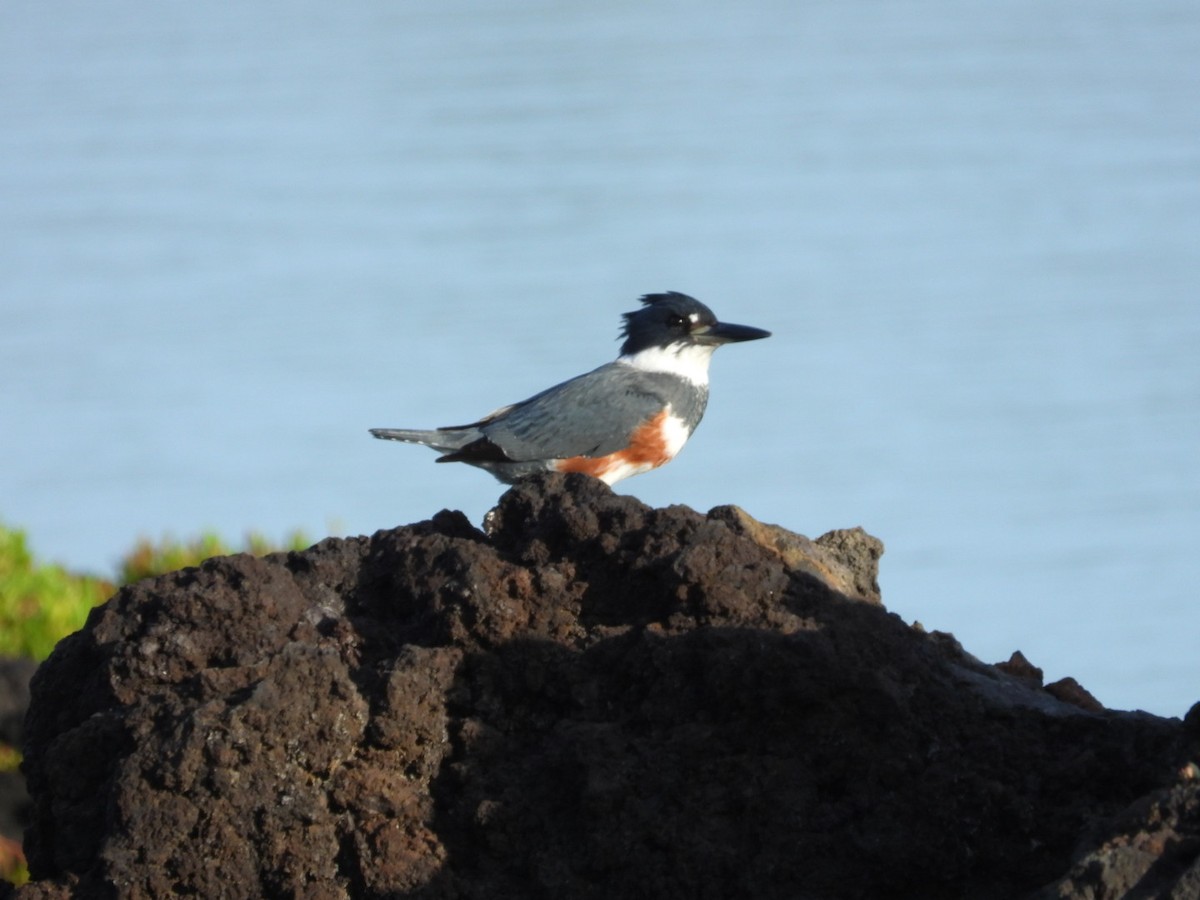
column 148, row 558
column 41, row 603
column 12, row 862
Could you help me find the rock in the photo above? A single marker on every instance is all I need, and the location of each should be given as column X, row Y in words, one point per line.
column 1069, row 690
column 1022, row 669
column 1151, row 849
column 591, row 698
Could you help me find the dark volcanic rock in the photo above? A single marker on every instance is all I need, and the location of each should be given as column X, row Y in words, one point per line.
column 594, row 699
column 1151, row 849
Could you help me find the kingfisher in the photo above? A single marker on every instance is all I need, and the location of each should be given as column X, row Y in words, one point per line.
column 627, row 417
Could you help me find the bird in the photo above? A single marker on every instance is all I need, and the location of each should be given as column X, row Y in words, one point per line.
column 622, row 419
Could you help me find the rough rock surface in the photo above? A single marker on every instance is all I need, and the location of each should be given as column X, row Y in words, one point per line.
column 594, row 699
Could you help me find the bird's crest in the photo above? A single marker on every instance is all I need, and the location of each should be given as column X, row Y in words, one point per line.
column 652, row 300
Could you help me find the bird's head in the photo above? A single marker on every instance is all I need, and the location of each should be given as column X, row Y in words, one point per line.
column 676, row 321
column 677, row 334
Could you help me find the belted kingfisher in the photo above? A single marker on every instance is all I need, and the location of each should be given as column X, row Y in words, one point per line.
column 622, row 419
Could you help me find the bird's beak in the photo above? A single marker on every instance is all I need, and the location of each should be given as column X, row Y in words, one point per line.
column 726, row 333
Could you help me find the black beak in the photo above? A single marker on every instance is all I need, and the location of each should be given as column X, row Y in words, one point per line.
column 725, row 333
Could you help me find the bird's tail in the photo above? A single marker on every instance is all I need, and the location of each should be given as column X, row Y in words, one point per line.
column 444, row 440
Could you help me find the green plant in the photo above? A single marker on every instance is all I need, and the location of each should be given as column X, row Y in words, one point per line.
column 12, row 862
column 40, row 603
column 167, row 555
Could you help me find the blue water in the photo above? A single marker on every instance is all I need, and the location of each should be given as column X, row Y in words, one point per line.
column 233, row 237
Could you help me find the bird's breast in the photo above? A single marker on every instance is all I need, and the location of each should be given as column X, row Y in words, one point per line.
column 653, row 443
column 673, row 433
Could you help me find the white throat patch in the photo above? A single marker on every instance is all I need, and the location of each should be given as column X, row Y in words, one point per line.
column 688, row 361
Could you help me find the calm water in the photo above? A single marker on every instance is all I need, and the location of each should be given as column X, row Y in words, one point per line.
column 233, row 237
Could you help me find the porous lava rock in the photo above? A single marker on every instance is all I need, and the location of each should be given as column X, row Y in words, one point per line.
column 590, row 698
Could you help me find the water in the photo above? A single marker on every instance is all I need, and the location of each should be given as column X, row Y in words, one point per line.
column 232, row 238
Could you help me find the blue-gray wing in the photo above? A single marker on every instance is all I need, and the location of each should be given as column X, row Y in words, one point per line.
column 592, row 415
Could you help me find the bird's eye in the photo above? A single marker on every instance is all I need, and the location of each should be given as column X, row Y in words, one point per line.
column 677, row 321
